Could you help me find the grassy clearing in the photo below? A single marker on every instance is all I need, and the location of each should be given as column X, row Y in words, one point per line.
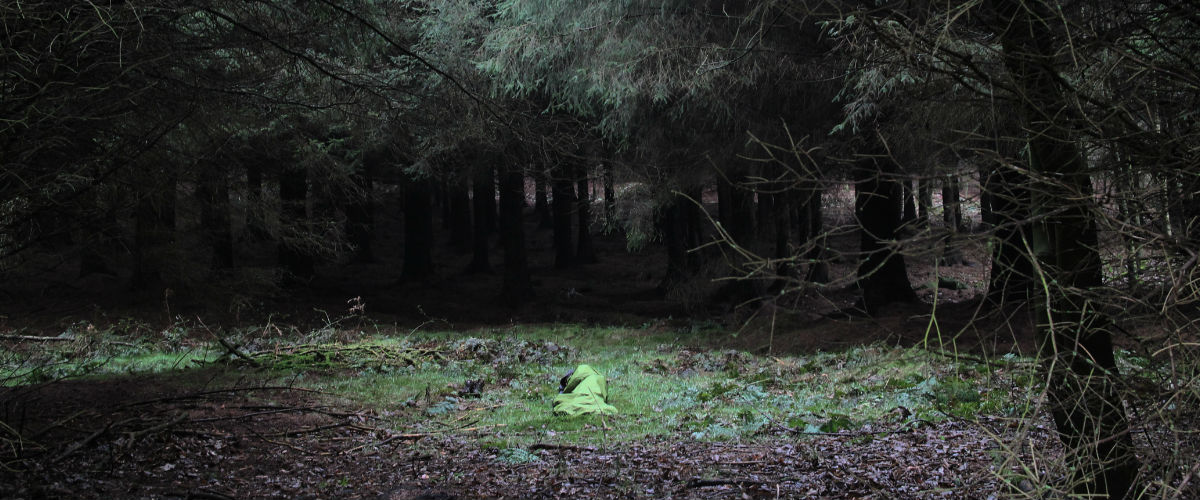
column 665, row 383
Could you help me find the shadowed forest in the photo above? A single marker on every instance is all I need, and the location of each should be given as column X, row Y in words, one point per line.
column 805, row 249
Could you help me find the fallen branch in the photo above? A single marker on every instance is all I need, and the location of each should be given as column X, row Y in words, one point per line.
column 229, row 348
column 87, row 440
column 547, row 446
column 199, row 395
column 138, row 435
column 310, row 430
column 417, row 435
column 35, row 338
column 701, row 483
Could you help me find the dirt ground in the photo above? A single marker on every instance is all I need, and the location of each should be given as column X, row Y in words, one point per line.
column 169, row 438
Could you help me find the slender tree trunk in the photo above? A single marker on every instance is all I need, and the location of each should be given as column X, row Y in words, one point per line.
column 100, row 242
column 563, row 205
column 764, row 215
column 910, row 206
column 517, row 288
column 1076, row 340
column 724, row 202
column 693, row 226
column 460, row 214
column 741, row 225
column 360, row 212
column 783, row 209
column 256, row 225
column 441, row 199
column 585, row 252
column 814, row 229
column 1011, row 278
column 418, row 230
column 214, row 215
column 951, row 220
column 293, row 218
column 672, row 223
column 882, row 273
column 483, row 201
column 987, row 218
column 924, row 202
column 610, row 200
column 541, row 205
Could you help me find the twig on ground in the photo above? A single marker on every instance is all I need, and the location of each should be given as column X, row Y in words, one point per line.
column 229, row 348
column 310, row 430
column 35, row 338
column 87, row 440
column 203, row 394
column 547, row 446
column 137, row 435
column 701, row 483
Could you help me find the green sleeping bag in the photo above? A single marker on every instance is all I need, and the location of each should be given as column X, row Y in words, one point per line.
column 584, row 392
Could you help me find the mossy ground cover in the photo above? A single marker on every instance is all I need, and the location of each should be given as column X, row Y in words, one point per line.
column 665, row 382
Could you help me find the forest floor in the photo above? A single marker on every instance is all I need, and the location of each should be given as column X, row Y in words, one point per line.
column 137, row 398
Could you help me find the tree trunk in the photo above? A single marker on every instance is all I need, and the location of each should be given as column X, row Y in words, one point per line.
column 517, row 288
column 1012, row 267
column 360, row 212
column 924, row 202
column 741, row 200
column 814, row 230
column 256, row 225
column 1076, row 342
column 101, row 241
column 882, row 273
column 541, row 205
column 483, row 201
column 563, row 191
column 214, row 215
column 585, row 252
column 293, row 219
column 460, row 214
column 418, row 230
column 951, row 221
column 910, row 206
column 783, row 208
column 987, row 218
column 610, row 200
column 671, row 224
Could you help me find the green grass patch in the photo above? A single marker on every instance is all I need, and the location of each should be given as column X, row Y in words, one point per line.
column 665, row 383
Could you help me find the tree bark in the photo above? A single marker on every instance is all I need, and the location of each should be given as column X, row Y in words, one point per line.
column 293, row 215
column 924, row 202
column 460, row 214
column 585, row 251
column 672, row 225
column 214, row 215
column 563, row 192
column 910, row 206
column 517, row 287
column 256, row 225
column 483, row 201
column 360, row 211
column 1076, row 341
column 610, row 200
column 814, row 234
column 541, row 204
column 951, row 221
column 418, row 230
column 1011, row 278
column 882, row 273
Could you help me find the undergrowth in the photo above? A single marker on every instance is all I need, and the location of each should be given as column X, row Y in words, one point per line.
column 664, row 383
